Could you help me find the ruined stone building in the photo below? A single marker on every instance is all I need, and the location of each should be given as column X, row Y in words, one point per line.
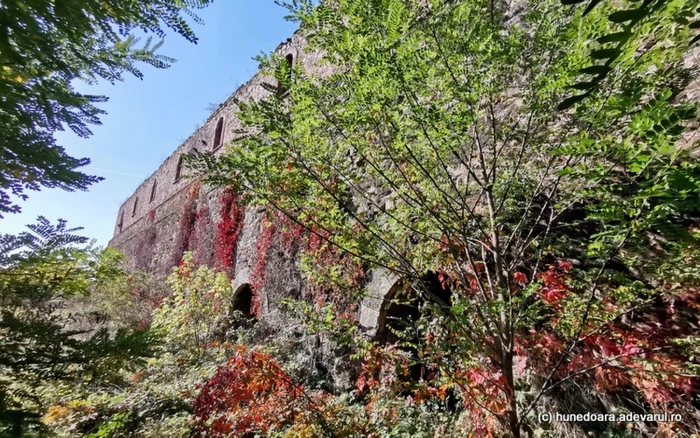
column 170, row 213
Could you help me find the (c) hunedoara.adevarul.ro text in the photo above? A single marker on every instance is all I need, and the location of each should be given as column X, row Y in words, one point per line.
column 547, row 417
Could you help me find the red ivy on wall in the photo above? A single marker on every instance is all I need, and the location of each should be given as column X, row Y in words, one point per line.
column 291, row 239
column 231, row 220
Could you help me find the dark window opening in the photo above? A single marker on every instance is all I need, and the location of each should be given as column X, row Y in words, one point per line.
column 121, row 222
column 243, row 301
column 153, row 191
column 283, row 86
column 136, row 204
column 218, row 135
column 178, row 170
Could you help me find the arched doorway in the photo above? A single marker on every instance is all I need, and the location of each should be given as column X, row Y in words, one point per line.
column 403, row 306
column 243, row 301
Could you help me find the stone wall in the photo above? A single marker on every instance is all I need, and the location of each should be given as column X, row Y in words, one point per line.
column 150, row 212
column 149, row 226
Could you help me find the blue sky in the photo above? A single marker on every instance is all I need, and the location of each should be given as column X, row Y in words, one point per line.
column 146, row 120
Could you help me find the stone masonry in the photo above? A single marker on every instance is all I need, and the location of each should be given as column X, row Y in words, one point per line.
column 148, row 222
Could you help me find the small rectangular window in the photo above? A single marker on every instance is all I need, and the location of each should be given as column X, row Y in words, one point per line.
column 121, row 221
column 218, row 134
column 178, row 170
column 136, row 204
column 282, row 88
column 153, row 191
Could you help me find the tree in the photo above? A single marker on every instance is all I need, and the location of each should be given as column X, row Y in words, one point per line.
column 441, row 144
column 44, row 48
column 40, row 271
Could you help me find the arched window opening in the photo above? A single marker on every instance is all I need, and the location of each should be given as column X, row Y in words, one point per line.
column 403, row 304
column 153, row 191
column 178, row 170
column 398, row 313
column 218, row 134
column 243, row 301
column 136, row 204
column 282, row 87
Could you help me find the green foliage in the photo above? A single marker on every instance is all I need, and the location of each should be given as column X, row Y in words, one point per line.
column 128, row 300
column 539, row 250
column 42, row 339
column 629, row 21
column 155, row 398
column 191, row 318
column 45, row 47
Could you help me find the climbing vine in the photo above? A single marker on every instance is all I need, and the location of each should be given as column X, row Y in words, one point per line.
column 231, row 221
column 331, row 276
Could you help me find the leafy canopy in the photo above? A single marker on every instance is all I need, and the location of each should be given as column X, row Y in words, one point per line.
column 43, row 340
column 45, row 47
column 433, row 141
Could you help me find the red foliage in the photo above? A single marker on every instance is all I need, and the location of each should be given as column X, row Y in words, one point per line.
column 186, row 226
column 555, row 286
column 631, row 355
column 251, row 393
column 519, row 278
column 231, row 219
